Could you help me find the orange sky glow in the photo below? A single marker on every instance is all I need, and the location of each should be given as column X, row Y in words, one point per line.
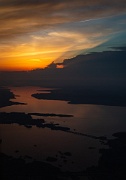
column 33, row 34
column 40, row 52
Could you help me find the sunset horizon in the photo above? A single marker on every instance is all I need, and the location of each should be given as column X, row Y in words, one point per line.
column 63, row 89
column 35, row 33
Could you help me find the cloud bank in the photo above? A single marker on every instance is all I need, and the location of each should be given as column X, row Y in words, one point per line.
column 21, row 16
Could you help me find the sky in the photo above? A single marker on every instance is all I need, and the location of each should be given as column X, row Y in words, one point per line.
column 34, row 33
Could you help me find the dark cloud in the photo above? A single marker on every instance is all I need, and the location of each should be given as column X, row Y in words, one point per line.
column 98, row 3
column 101, row 70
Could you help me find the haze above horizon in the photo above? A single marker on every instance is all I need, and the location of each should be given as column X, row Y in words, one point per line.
column 34, row 33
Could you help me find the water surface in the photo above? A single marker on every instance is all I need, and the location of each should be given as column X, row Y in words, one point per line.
column 41, row 143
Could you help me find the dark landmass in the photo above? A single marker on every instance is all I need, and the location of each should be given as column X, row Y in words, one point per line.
column 12, row 168
column 27, row 121
column 67, row 154
column 18, row 169
column 16, row 151
column 51, row 159
column 51, row 114
column 91, row 148
column 64, row 155
column 19, row 118
column 82, row 96
column 112, row 163
column 5, row 96
column 27, row 157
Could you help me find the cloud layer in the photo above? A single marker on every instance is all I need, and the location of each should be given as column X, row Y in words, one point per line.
column 49, row 30
column 21, row 16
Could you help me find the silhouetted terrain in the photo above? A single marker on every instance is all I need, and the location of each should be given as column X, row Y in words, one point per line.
column 51, row 114
column 5, row 96
column 111, row 166
column 27, row 121
column 17, row 168
column 112, row 163
column 13, row 168
column 84, row 96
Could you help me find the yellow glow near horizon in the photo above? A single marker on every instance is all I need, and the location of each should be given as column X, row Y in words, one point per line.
column 35, row 33
column 40, row 51
column 25, row 63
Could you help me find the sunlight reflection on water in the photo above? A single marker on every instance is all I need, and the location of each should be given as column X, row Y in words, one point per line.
column 40, row 143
